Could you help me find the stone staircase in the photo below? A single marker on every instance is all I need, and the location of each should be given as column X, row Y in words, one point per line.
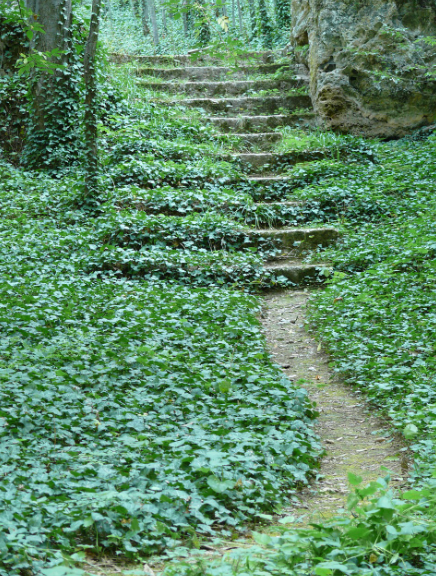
column 229, row 98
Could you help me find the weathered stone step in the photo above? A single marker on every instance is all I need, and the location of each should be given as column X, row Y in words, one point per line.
column 266, row 57
column 212, row 72
column 229, row 88
column 300, row 273
column 274, row 204
column 295, row 240
column 262, row 140
column 257, row 160
column 242, row 124
column 268, row 179
column 246, row 104
column 274, row 160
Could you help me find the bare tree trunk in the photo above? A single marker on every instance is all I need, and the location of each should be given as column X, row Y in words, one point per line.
column 233, row 15
column 241, row 25
column 185, row 17
column 152, row 8
column 90, row 77
column 164, row 19
column 144, row 18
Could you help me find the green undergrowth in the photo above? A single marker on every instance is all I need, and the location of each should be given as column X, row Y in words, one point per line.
column 139, row 408
column 376, row 318
column 140, row 411
column 379, row 534
column 382, row 299
column 134, row 414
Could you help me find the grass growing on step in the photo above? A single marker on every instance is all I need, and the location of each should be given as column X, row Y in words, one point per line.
column 336, row 144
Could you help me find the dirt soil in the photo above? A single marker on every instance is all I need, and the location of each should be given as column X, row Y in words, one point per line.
column 355, row 439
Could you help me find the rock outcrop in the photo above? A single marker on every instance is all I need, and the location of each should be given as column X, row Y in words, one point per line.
column 372, row 63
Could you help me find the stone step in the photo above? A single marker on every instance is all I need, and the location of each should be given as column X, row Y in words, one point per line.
column 212, row 72
column 242, row 124
column 268, row 179
column 229, row 88
column 192, row 58
column 262, row 140
column 245, row 104
column 256, row 160
column 281, row 203
column 275, row 160
column 296, row 240
column 300, row 273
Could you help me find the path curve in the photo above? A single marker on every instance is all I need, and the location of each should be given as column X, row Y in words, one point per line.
column 354, row 438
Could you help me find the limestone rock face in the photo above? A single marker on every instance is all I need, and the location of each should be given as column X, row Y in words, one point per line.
column 371, row 62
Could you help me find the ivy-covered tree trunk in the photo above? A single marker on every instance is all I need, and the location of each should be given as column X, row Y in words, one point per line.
column 265, row 24
column 185, row 15
column 283, row 12
column 252, row 11
column 53, row 116
column 90, row 120
column 204, row 34
column 135, row 7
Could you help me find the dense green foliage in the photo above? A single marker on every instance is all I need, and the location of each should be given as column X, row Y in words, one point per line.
column 377, row 319
column 186, row 25
column 385, row 535
column 139, row 406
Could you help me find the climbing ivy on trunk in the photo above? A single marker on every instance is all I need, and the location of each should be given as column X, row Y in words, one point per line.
column 54, row 94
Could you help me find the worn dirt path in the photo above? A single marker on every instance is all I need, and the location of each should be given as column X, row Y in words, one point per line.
column 354, row 438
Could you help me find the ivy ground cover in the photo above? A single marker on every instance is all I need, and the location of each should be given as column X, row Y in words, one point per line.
column 377, row 318
column 133, row 413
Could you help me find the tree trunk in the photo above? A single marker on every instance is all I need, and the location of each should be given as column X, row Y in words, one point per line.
column 152, row 9
column 52, row 135
column 233, row 15
column 90, row 77
column 55, row 17
column 241, row 25
column 135, row 7
column 202, row 23
column 185, row 17
column 283, row 12
column 144, row 18
column 265, row 24
column 164, row 19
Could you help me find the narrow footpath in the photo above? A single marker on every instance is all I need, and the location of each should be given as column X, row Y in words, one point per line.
column 355, row 440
